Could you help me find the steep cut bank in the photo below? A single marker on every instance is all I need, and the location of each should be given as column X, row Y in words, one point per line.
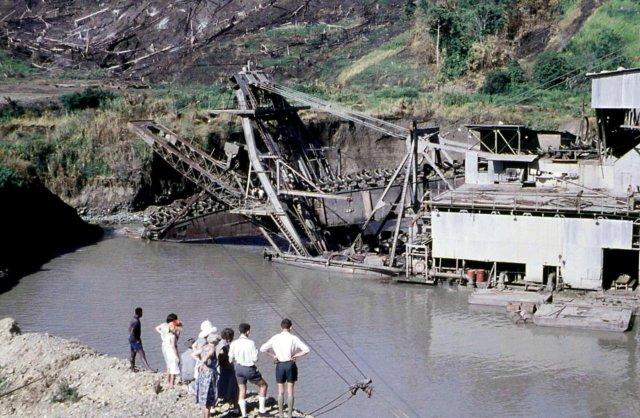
column 36, row 226
column 67, row 378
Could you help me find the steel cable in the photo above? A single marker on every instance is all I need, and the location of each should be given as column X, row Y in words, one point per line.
column 261, row 291
column 335, row 406
column 306, row 308
column 560, row 79
column 331, row 401
column 403, row 401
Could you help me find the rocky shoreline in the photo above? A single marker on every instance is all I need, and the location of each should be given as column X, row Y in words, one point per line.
column 44, row 375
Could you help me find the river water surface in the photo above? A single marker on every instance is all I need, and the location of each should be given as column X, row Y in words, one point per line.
column 427, row 351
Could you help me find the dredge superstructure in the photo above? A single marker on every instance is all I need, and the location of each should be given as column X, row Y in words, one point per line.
column 281, row 180
column 536, row 208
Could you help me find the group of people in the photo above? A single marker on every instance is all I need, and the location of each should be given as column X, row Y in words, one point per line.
column 218, row 367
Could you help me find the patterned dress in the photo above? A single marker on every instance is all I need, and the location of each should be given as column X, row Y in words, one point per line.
column 207, row 379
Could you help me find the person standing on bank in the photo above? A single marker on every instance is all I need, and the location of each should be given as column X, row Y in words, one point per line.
column 206, row 328
column 227, row 382
column 244, row 353
column 206, row 382
column 285, row 348
column 135, row 342
column 170, row 333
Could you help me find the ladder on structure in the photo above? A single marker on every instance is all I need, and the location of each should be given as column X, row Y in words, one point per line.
column 285, row 231
column 192, row 162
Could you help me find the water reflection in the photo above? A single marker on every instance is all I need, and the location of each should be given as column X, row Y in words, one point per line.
column 429, row 353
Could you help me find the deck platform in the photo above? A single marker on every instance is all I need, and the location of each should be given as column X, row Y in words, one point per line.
column 492, row 297
column 498, row 197
column 595, row 318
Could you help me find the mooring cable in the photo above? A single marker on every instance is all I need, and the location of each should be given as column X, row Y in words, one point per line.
column 9, row 392
column 330, row 402
column 261, row 291
column 400, row 398
column 317, row 414
column 306, row 308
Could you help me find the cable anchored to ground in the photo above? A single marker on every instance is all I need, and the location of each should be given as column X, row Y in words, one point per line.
column 363, row 385
column 261, row 293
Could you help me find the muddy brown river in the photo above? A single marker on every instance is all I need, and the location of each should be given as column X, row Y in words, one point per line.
column 429, row 353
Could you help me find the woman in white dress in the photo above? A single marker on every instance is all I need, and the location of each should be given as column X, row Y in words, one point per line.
column 170, row 333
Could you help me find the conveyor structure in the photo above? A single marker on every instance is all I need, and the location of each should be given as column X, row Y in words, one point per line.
column 281, row 181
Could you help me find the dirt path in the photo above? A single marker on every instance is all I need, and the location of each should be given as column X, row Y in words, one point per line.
column 30, row 92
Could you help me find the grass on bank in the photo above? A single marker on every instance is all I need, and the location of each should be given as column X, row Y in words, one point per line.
column 65, row 393
column 620, row 17
column 12, row 67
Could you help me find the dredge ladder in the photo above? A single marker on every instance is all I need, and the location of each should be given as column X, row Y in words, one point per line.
column 193, row 163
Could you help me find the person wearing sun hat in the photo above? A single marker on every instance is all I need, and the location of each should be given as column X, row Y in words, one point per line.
column 206, row 383
column 206, row 328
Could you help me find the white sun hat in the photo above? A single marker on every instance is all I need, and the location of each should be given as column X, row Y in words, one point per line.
column 206, row 328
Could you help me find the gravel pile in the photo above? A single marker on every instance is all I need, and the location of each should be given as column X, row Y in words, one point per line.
column 67, row 378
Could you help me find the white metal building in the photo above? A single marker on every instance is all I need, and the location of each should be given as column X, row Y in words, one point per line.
column 534, row 212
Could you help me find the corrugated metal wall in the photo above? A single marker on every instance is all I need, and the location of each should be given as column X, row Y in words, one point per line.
column 618, row 91
column 534, row 241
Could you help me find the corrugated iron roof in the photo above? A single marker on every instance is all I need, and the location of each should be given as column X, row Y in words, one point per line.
column 613, row 72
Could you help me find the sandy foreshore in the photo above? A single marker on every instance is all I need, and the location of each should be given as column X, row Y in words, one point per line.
column 44, row 375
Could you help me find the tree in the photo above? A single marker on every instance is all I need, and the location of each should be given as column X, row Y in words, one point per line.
column 448, row 26
column 409, row 8
column 515, row 71
column 457, row 26
column 484, row 17
column 496, row 82
column 552, row 69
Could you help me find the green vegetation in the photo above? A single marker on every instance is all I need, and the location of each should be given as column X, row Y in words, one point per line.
column 460, row 25
column 12, row 67
column 380, row 62
column 11, row 110
column 8, row 178
column 610, row 38
column 552, row 69
column 301, row 29
column 195, row 96
column 564, row 6
column 90, row 98
column 65, row 393
column 389, row 71
column 501, row 81
column 409, row 8
column 70, row 150
column 496, row 82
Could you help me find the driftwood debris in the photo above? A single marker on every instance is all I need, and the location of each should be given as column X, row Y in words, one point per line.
column 127, row 33
column 145, row 39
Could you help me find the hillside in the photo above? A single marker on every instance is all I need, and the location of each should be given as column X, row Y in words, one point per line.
column 440, row 62
column 304, row 40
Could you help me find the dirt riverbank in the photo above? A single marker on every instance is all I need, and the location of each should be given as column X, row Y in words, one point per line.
column 67, row 378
